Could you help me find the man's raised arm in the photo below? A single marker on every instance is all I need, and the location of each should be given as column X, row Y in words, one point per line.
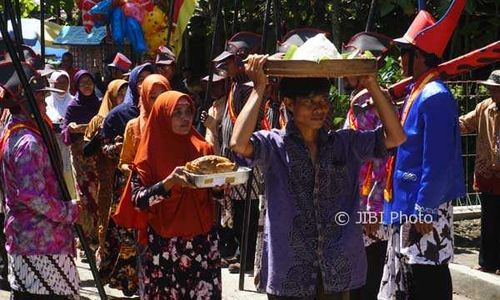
column 248, row 117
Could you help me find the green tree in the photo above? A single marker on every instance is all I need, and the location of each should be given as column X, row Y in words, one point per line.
column 53, row 8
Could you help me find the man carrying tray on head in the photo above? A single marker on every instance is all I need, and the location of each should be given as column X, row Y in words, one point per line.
column 311, row 247
column 426, row 173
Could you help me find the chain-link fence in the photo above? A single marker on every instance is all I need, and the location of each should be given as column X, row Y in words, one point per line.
column 468, row 95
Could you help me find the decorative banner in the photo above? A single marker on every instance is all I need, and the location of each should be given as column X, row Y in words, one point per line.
column 154, row 26
column 183, row 11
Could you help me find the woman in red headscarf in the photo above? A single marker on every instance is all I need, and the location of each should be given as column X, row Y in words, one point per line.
column 118, row 256
column 152, row 87
column 181, row 260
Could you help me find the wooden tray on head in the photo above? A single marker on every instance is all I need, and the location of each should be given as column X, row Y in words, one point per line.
column 328, row 68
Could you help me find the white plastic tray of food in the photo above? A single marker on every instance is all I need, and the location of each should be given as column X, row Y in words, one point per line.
column 237, row 177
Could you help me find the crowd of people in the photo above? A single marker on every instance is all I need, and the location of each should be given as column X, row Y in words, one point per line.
column 392, row 172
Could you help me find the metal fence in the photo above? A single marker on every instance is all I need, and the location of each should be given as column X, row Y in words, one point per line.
column 468, row 95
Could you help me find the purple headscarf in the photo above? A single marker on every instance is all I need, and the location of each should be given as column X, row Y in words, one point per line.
column 81, row 109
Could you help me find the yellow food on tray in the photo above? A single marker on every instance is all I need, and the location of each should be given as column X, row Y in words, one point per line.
column 210, row 164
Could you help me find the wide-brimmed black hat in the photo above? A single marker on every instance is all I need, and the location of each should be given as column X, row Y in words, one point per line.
column 30, row 55
column 165, row 56
column 12, row 88
column 241, row 44
column 215, row 78
column 378, row 44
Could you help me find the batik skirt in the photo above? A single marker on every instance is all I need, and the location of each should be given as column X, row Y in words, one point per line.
column 85, row 173
column 117, row 258
column 406, row 246
column 44, row 275
column 181, row 268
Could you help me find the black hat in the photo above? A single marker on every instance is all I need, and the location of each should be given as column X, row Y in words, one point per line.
column 378, row 44
column 241, row 44
column 215, row 78
column 165, row 56
column 11, row 86
column 30, row 56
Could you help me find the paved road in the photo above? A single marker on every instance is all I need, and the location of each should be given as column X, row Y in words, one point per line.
column 229, row 291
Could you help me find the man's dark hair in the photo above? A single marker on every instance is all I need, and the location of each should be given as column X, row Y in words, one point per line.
column 67, row 54
column 431, row 60
column 303, row 87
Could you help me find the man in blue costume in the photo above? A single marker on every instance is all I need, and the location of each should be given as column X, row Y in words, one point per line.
column 426, row 171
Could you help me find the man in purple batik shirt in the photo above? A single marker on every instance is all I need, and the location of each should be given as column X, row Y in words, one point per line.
column 313, row 244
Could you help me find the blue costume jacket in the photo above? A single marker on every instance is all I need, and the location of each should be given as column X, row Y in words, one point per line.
column 428, row 170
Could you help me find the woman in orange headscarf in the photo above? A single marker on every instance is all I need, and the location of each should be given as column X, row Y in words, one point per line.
column 152, row 87
column 182, row 259
column 118, row 259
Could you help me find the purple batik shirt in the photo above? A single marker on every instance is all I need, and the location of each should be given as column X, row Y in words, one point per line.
column 37, row 220
column 301, row 236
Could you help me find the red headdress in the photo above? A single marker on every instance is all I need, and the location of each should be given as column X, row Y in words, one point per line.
column 430, row 36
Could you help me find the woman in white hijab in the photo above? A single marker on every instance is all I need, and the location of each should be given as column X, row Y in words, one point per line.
column 57, row 103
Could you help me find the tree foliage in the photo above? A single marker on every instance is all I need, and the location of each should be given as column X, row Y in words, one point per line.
column 478, row 26
column 53, row 8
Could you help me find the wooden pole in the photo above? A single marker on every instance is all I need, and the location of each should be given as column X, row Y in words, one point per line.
column 15, row 21
column 337, row 41
column 170, row 21
column 18, row 16
column 245, row 233
column 277, row 21
column 371, row 12
column 235, row 26
column 265, row 27
column 421, row 4
column 218, row 16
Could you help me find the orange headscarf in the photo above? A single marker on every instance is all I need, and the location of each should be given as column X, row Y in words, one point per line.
column 188, row 212
column 144, row 104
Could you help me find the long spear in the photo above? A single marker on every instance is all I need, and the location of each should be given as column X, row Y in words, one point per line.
column 265, row 26
column 47, row 136
column 16, row 27
column 421, row 4
column 277, row 21
column 170, row 21
column 18, row 15
column 248, row 198
column 215, row 37
column 371, row 12
column 235, row 16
